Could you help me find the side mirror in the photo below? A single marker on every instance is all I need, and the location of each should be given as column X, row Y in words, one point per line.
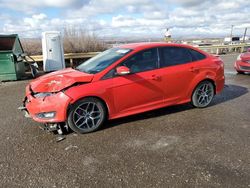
column 122, row 70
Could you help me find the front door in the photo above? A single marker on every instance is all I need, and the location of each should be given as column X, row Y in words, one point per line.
column 142, row 88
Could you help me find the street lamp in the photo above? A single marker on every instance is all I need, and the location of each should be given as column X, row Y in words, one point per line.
column 231, row 35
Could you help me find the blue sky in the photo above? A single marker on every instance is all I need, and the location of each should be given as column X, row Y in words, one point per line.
column 127, row 18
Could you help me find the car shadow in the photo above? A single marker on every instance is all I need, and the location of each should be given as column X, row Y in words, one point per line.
column 229, row 92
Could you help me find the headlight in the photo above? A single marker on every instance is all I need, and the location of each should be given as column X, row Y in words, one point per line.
column 42, row 95
column 239, row 57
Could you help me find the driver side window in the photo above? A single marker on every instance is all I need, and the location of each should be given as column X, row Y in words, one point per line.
column 142, row 61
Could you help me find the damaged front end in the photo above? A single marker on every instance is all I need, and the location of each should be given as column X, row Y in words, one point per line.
column 46, row 101
column 59, row 128
column 23, row 108
column 50, row 109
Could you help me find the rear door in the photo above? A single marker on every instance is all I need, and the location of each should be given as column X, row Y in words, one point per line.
column 178, row 69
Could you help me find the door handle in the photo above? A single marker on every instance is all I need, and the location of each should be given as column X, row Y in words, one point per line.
column 194, row 69
column 156, row 77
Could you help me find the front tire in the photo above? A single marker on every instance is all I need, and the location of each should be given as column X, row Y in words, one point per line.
column 203, row 94
column 87, row 115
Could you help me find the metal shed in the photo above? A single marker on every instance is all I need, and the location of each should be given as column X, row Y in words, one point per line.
column 11, row 63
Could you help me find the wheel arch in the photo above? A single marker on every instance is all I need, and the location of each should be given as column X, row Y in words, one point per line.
column 197, row 83
column 91, row 96
column 212, row 81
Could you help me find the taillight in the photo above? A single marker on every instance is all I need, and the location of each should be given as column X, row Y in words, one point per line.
column 218, row 61
column 221, row 64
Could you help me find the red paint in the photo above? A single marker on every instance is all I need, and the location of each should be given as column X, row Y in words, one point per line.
column 243, row 63
column 127, row 94
column 57, row 103
column 59, row 80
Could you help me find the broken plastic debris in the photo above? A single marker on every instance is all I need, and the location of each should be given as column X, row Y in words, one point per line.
column 60, row 138
column 69, row 147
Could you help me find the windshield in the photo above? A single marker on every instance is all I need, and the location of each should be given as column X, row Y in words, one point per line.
column 103, row 60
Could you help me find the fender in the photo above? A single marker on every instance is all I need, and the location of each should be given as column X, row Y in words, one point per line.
column 89, row 90
column 204, row 75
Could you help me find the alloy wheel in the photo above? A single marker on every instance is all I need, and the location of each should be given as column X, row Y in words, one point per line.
column 203, row 94
column 87, row 116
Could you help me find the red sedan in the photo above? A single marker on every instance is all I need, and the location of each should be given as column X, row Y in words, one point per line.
column 242, row 63
column 122, row 81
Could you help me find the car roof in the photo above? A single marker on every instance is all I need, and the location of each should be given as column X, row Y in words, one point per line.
column 144, row 45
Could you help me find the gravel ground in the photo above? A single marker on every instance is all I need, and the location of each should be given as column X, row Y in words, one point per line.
column 177, row 146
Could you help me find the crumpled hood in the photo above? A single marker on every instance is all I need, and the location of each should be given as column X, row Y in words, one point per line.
column 56, row 81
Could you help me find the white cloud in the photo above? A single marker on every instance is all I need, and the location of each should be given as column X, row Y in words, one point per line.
column 31, row 5
column 59, row 3
column 129, row 17
column 35, row 21
column 40, row 16
column 187, row 3
column 126, row 21
column 98, row 7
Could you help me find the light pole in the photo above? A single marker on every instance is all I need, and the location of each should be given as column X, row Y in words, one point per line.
column 244, row 37
column 231, row 35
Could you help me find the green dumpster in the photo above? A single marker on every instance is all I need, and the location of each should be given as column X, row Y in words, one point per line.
column 11, row 63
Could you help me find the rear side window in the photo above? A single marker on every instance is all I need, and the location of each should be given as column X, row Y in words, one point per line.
column 171, row 56
column 196, row 56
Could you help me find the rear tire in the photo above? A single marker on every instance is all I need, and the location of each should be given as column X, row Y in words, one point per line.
column 203, row 94
column 87, row 115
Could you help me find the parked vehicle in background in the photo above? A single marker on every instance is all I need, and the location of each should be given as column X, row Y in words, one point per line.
column 122, row 81
column 242, row 64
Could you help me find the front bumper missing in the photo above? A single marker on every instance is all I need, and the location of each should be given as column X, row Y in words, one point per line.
column 25, row 111
column 57, row 103
column 32, row 106
column 23, row 108
column 60, row 128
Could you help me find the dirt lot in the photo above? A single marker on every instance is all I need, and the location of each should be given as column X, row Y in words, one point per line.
column 172, row 147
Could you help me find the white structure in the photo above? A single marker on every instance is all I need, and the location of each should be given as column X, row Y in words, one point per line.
column 247, row 38
column 167, row 33
column 53, row 55
column 227, row 39
column 231, row 40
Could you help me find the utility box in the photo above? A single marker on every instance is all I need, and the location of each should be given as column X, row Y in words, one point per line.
column 11, row 63
column 53, row 55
